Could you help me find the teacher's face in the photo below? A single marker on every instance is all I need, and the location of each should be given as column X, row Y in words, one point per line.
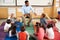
column 27, row 3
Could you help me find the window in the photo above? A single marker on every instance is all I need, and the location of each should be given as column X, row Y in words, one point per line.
column 21, row 2
column 36, row 2
column 57, row 3
column 7, row 3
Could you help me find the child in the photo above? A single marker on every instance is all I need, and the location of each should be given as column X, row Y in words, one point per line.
column 43, row 21
column 23, row 35
column 35, row 27
column 7, row 25
column 50, row 32
column 40, row 32
column 18, row 25
column 12, row 18
column 11, row 35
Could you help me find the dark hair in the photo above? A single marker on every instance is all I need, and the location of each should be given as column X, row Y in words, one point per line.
column 43, row 15
column 13, row 29
column 8, row 21
column 26, row 1
column 38, row 24
column 22, row 29
column 49, row 25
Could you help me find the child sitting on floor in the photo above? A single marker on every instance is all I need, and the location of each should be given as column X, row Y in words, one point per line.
column 35, row 27
column 50, row 32
column 7, row 25
column 23, row 35
column 12, row 18
column 18, row 25
column 40, row 31
column 12, row 34
column 43, row 20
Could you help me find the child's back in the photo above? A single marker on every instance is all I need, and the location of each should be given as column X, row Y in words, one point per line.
column 41, row 34
column 43, row 21
column 18, row 25
column 11, row 35
column 22, row 36
column 50, row 32
column 7, row 25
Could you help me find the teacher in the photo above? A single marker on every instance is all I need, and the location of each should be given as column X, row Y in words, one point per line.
column 26, row 12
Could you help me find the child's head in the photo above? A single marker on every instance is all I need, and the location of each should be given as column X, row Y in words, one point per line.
column 49, row 25
column 43, row 15
column 12, row 15
column 41, row 26
column 38, row 24
column 18, row 19
column 22, row 29
column 8, row 21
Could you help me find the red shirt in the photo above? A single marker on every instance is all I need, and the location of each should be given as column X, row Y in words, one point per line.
column 40, row 34
column 22, row 36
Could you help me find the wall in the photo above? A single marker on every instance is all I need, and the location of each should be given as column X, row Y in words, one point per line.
column 55, row 14
column 4, row 11
column 50, row 11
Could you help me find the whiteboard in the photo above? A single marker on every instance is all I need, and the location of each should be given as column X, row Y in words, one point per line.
column 7, row 3
column 36, row 2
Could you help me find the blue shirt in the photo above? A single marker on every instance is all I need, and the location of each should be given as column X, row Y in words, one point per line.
column 42, row 20
column 27, row 9
column 19, row 25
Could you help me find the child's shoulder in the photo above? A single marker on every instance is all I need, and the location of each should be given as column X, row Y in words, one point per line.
column 26, row 32
column 23, row 32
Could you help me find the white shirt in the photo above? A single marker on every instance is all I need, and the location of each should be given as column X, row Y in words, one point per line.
column 6, row 27
column 50, row 33
column 27, row 9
